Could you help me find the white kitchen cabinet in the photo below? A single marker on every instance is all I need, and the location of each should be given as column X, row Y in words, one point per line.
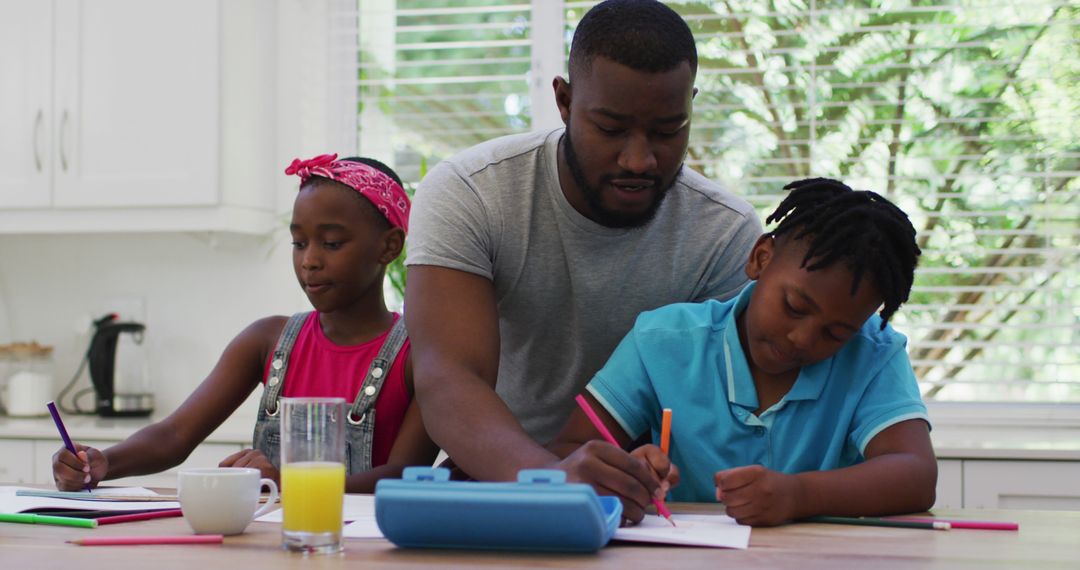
column 950, row 484
column 15, row 468
column 136, row 115
column 1053, row 485
column 26, row 55
column 136, row 102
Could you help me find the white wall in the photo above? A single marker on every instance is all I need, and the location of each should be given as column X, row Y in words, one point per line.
column 198, row 292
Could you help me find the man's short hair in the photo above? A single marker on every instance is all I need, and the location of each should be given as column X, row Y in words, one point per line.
column 644, row 35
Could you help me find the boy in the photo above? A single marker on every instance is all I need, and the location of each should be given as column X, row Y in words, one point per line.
column 793, row 399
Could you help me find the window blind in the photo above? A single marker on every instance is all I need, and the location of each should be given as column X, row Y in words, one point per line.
column 438, row 76
column 964, row 113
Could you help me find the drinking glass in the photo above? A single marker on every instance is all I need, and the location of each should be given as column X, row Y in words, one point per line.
column 312, row 474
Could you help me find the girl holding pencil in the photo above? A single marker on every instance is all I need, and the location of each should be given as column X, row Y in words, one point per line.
column 793, row 399
column 348, row 223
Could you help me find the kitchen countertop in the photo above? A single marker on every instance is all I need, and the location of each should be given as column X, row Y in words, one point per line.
column 1055, row 443
column 92, row 427
column 1034, row 443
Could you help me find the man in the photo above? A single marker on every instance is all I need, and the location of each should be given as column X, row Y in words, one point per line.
column 531, row 255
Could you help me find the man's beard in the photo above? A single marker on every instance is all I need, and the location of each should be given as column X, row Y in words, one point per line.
column 600, row 213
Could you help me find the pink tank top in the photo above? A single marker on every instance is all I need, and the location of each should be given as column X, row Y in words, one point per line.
column 320, row 368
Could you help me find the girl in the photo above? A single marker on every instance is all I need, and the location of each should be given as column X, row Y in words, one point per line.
column 793, row 399
column 348, row 223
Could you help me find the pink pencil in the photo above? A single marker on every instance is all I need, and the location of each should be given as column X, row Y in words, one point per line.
column 139, row 516
column 976, row 525
column 600, row 427
column 129, row 540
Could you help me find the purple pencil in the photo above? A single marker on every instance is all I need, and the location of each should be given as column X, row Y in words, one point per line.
column 63, row 431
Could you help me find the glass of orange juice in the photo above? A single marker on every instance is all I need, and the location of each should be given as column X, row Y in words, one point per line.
column 312, row 474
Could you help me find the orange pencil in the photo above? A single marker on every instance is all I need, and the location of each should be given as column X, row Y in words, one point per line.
column 665, row 431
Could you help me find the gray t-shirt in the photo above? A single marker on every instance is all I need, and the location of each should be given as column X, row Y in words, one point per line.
column 567, row 288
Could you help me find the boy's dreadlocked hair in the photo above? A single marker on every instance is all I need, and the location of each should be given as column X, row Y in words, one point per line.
column 860, row 227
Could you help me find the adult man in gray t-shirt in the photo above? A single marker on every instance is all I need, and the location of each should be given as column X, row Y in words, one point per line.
column 531, row 255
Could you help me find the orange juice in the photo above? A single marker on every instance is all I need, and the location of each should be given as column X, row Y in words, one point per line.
column 312, row 495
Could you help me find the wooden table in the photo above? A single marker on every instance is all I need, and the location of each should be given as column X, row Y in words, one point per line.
column 1046, row 539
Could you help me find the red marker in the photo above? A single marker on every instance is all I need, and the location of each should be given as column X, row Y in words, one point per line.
column 133, row 540
column 131, row 517
column 975, row 525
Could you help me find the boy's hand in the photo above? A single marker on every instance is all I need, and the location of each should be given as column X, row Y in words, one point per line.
column 74, row 471
column 612, row 471
column 757, row 496
column 255, row 459
column 661, row 465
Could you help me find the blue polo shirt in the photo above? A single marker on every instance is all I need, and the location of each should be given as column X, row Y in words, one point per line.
column 687, row 357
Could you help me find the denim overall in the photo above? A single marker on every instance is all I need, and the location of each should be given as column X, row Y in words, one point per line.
column 360, row 424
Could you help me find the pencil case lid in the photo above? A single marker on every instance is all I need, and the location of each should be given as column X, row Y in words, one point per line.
column 541, row 511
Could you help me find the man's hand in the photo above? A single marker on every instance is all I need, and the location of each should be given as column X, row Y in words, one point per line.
column 255, row 459
column 74, row 471
column 757, row 496
column 612, row 471
column 661, row 464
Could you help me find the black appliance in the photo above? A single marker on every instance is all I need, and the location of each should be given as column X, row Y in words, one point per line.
column 117, row 363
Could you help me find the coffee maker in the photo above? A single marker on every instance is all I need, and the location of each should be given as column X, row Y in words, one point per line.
column 118, row 372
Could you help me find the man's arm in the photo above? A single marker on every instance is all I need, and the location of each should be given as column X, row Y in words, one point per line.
column 453, row 323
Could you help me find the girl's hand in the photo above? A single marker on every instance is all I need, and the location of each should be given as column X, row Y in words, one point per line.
column 255, row 459
column 757, row 496
column 661, row 464
column 75, row 471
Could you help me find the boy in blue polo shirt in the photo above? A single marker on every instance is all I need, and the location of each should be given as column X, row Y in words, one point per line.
column 793, row 399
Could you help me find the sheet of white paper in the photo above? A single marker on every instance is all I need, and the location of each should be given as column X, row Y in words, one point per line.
column 692, row 530
column 12, row 503
column 364, row 527
column 356, row 507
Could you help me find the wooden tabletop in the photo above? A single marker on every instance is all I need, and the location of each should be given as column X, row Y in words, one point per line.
column 1046, row 539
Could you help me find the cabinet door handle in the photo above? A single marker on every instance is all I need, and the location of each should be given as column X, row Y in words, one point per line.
column 38, row 121
column 63, row 140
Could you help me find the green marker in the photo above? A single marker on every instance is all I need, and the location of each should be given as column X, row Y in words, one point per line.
column 30, row 518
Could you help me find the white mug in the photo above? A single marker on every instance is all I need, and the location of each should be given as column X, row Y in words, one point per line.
column 222, row 500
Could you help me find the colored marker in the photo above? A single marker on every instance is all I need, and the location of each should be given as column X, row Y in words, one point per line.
column 975, row 525
column 868, row 521
column 112, row 519
column 132, row 540
column 30, row 518
column 600, row 427
column 63, row 432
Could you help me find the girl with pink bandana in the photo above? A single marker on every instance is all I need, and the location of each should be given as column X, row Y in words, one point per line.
column 348, row 223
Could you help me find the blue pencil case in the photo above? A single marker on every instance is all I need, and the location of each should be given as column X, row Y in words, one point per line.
column 541, row 511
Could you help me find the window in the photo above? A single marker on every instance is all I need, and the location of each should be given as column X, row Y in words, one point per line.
column 965, row 113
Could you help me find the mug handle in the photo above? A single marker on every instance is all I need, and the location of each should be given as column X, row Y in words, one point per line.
column 271, row 502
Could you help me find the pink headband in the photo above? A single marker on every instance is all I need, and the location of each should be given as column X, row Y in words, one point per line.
column 380, row 189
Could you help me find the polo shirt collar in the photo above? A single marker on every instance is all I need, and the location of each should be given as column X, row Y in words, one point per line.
column 740, row 384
